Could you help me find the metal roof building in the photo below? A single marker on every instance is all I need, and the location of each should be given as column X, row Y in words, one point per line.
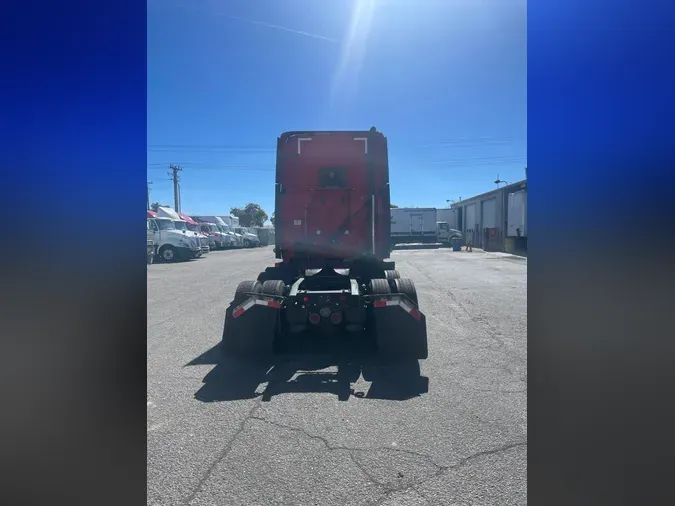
column 484, row 219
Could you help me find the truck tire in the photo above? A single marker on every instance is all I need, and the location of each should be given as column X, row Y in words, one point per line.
column 406, row 287
column 273, row 287
column 379, row 287
column 244, row 288
column 247, row 243
column 391, row 276
column 397, row 339
column 168, row 253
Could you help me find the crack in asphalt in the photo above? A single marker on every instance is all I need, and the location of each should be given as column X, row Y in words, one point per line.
column 444, row 469
column 331, row 447
column 222, row 454
column 389, row 489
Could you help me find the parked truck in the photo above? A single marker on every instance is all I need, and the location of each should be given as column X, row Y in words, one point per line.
column 421, row 225
column 332, row 243
column 150, row 248
column 171, row 244
column 250, row 239
column 266, row 235
column 413, row 225
column 232, row 222
column 209, row 225
column 193, row 226
column 182, row 225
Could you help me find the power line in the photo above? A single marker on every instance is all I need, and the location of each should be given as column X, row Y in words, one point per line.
column 434, row 166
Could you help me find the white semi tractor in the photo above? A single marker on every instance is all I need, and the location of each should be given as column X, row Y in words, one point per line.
column 182, row 226
column 249, row 239
column 169, row 243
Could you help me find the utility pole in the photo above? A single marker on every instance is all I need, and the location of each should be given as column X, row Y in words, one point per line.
column 149, row 183
column 173, row 175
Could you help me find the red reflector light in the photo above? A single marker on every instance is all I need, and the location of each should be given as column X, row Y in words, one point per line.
column 238, row 312
column 273, row 303
column 415, row 314
column 380, row 303
column 336, row 318
column 314, row 318
column 342, row 297
column 306, row 299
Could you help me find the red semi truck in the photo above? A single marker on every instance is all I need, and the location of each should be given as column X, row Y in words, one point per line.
column 332, row 243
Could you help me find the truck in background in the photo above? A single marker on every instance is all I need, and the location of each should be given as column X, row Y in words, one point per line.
column 209, row 224
column 448, row 216
column 227, row 238
column 251, row 239
column 232, row 222
column 150, row 249
column 265, row 234
column 413, row 225
column 332, row 244
column 171, row 244
column 193, row 226
column 182, row 225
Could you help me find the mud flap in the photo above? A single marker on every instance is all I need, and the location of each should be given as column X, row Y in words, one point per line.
column 250, row 332
column 400, row 333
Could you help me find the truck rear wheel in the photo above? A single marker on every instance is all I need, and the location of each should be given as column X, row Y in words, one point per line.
column 391, row 276
column 273, row 287
column 252, row 333
column 407, row 288
column 398, row 334
column 379, row 286
column 244, row 288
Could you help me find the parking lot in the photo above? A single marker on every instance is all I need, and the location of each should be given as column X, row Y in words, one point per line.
column 333, row 427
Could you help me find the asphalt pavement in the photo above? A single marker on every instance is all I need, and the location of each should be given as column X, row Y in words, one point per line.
column 335, row 426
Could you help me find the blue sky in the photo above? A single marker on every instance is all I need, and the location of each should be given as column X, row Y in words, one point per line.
column 444, row 80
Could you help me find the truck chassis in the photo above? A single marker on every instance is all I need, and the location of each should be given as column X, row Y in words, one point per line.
column 301, row 296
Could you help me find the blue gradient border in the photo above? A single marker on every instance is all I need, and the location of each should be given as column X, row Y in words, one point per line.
column 72, row 275
column 600, row 225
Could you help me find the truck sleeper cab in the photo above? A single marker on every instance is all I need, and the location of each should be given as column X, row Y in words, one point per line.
column 332, row 241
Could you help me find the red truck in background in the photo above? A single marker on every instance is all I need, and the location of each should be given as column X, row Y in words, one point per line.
column 332, row 243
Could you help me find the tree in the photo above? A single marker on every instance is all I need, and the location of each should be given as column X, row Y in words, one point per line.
column 156, row 205
column 272, row 219
column 252, row 215
column 394, row 206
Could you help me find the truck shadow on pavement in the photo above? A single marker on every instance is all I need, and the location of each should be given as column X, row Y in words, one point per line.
column 360, row 374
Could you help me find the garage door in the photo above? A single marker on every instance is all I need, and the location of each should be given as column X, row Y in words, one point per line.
column 470, row 220
column 489, row 213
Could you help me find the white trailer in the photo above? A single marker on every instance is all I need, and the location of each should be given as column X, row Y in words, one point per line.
column 413, row 225
column 448, row 216
column 517, row 214
column 232, row 221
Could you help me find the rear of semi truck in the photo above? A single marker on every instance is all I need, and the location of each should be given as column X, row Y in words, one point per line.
column 332, row 242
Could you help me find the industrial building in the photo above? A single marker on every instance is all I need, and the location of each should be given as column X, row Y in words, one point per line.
column 493, row 221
